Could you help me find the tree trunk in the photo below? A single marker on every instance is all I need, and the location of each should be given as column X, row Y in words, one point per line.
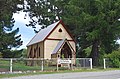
column 95, row 52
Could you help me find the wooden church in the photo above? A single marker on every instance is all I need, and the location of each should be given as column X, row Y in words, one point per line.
column 52, row 42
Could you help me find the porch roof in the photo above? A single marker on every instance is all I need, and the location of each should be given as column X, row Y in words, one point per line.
column 60, row 45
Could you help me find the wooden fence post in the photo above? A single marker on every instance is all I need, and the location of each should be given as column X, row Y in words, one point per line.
column 104, row 63
column 11, row 61
column 90, row 63
column 42, row 65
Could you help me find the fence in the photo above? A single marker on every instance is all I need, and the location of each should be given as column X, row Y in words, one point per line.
column 107, row 63
column 84, row 63
column 33, row 65
column 27, row 65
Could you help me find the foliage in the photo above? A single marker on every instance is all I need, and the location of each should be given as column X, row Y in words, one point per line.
column 96, row 26
column 8, row 37
column 93, row 22
column 114, row 58
column 14, row 54
column 88, row 51
column 24, row 53
column 0, row 55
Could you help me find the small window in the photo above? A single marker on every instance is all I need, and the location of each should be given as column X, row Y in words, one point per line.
column 60, row 30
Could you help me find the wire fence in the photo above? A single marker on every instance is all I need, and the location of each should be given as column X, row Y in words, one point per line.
column 29, row 64
column 84, row 63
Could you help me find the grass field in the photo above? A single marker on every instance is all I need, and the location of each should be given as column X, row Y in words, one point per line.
column 21, row 66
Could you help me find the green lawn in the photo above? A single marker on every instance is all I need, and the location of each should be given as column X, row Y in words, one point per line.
column 4, row 65
column 17, row 66
column 21, row 66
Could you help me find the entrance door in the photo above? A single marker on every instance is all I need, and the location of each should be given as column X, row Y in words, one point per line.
column 66, row 51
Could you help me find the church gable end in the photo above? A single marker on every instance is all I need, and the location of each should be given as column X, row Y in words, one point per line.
column 60, row 32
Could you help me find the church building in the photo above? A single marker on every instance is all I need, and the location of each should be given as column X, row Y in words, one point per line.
column 52, row 42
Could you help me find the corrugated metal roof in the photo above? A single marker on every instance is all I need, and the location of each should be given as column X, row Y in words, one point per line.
column 58, row 46
column 42, row 34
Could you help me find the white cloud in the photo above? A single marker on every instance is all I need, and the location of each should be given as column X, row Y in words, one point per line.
column 19, row 17
column 118, row 41
column 119, row 19
column 22, row 17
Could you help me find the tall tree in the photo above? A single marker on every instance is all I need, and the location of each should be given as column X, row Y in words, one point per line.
column 8, row 37
column 93, row 22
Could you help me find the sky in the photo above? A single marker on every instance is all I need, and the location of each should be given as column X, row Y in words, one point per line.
column 27, row 33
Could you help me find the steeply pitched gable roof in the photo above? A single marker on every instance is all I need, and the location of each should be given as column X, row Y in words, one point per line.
column 44, row 33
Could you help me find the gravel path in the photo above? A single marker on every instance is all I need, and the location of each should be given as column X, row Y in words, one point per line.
column 76, row 75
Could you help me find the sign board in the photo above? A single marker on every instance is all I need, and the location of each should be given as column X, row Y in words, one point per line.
column 64, row 61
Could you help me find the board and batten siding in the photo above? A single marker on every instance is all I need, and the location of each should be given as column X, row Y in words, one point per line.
column 41, row 45
column 49, row 46
column 28, row 50
column 33, row 47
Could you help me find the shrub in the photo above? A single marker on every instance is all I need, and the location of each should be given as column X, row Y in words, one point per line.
column 0, row 55
column 114, row 58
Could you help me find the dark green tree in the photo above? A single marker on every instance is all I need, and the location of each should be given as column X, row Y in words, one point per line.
column 94, row 23
column 24, row 53
column 8, row 37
